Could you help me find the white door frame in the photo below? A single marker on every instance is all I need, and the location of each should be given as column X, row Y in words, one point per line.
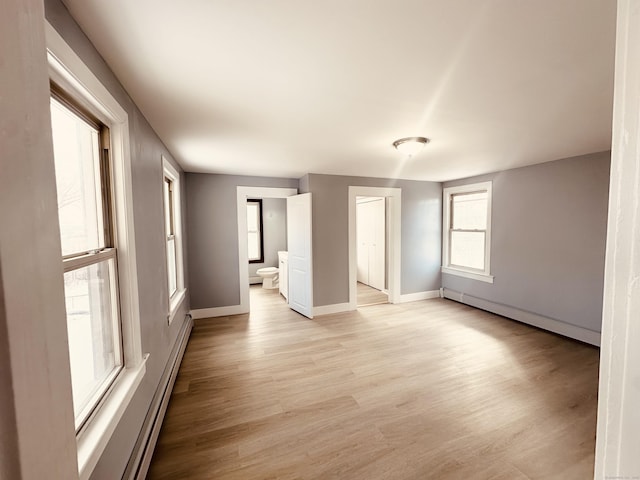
column 242, row 194
column 395, row 200
column 619, row 390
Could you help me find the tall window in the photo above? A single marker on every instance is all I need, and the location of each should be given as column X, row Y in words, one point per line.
column 89, row 254
column 95, row 205
column 254, row 231
column 173, row 237
column 467, row 231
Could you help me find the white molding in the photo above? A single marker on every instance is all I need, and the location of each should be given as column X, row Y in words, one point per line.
column 414, row 297
column 360, row 200
column 219, row 311
column 94, row 438
column 447, row 192
column 540, row 321
column 141, row 458
column 68, row 70
column 242, row 193
column 330, row 309
column 619, row 390
column 482, row 277
column 175, row 301
column 395, row 217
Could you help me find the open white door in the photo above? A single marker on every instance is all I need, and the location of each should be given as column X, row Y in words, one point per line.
column 300, row 259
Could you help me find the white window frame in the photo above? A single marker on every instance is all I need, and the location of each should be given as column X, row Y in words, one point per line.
column 68, row 71
column 101, row 251
column 175, row 300
column 447, row 195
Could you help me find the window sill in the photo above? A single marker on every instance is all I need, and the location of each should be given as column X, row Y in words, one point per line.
column 95, row 436
column 174, row 304
column 483, row 277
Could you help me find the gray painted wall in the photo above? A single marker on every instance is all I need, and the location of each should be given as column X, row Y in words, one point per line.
column 274, row 228
column 37, row 438
column 303, row 184
column 563, row 281
column 158, row 338
column 212, row 235
column 549, row 225
column 421, row 228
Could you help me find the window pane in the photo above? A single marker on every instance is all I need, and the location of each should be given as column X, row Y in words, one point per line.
column 171, row 265
column 467, row 249
column 168, row 207
column 469, row 211
column 253, row 217
column 253, row 246
column 77, row 165
column 93, row 329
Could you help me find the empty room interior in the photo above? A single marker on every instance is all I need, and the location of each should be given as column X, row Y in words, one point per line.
column 313, row 240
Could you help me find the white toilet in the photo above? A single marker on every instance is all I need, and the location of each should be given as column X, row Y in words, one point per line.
column 269, row 277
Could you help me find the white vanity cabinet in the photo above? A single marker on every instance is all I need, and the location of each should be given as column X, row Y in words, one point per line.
column 283, row 266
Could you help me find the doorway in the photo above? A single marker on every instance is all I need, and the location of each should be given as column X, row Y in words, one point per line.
column 242, row 194
column 390, row 200
column 371, row 243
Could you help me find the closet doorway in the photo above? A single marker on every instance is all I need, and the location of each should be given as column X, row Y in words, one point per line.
column 384, row 278
column 372, row 254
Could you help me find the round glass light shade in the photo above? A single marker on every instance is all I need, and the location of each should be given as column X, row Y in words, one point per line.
column 410, row 145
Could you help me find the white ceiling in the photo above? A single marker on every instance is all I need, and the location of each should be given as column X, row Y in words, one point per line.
column 288, row 87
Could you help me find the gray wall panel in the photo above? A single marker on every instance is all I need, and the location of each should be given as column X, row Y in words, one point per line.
column 420, row 231
column 37, row 437
column 549, row 226
column 212, row 235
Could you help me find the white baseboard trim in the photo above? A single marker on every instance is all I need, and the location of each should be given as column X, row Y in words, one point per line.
column 255, row 280
column 329, row 309
column 540, row 321
column 218, row 311
column 414, row 297
column 140, row 459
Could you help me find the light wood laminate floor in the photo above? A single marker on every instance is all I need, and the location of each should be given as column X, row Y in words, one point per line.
column 423, row 390
column 370, row 296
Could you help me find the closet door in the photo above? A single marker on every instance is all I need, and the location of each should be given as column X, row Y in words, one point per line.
column 377, row 244
column 362, row 239
column 370, row 237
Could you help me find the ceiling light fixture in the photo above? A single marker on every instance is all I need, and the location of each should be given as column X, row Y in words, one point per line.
column 410, row 145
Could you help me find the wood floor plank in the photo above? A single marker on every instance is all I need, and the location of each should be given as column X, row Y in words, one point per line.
column 367, row 295
column 423, row 390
